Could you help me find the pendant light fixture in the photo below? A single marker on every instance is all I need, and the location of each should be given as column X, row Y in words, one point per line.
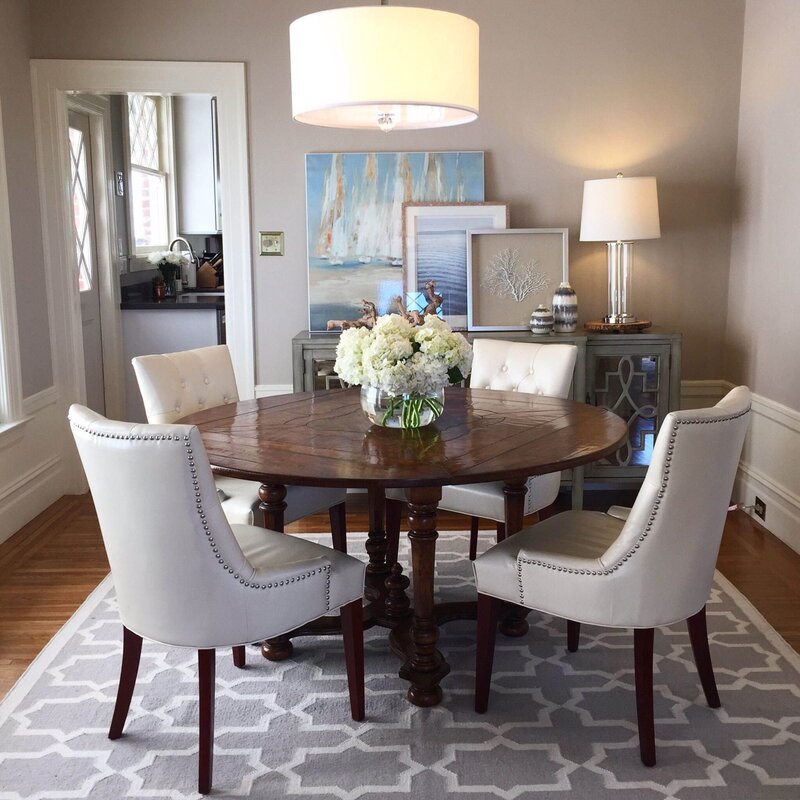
column 390, row 68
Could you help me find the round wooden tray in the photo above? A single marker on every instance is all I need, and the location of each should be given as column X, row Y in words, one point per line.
column 618, row 327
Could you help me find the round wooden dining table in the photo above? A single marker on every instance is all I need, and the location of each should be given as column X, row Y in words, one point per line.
column 325, row 439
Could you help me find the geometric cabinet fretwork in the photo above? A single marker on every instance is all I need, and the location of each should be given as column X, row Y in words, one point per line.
column 638, row 378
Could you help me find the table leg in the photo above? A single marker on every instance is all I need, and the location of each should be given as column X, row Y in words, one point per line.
column 376, row 539
column 273, row 504
column 514, row 623
column 425, row 666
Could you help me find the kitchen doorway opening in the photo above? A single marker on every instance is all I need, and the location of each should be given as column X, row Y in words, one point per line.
column 55, row 85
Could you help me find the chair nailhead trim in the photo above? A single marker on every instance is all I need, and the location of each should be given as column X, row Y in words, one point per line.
column 651, row 519
column 201, row 512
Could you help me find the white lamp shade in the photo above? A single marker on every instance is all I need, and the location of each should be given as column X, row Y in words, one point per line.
column 351, row 65
column 620, row 210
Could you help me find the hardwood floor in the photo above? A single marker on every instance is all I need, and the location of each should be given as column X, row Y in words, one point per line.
column 49, row 567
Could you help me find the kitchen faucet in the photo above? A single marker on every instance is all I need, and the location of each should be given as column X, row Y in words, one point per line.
column 193, row 258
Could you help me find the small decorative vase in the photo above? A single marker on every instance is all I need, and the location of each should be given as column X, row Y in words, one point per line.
column 541, row 320
column 408, row 411
column 565, row 309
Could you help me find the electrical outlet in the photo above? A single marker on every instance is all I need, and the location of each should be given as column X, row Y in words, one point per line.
column 760, row 508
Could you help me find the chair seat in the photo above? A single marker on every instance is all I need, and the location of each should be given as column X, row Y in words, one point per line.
column 572, row 541
column 620, row 512
column 241, row 502
column 487, row 501
column 279, row 557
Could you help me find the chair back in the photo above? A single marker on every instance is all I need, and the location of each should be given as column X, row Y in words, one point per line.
column 523, row 367
column 175, row 385
column 175, row 562
column 667, row 550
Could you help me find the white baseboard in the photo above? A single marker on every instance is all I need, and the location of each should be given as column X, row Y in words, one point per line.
column 769, row 467
column 271, row 389
column 36, row 488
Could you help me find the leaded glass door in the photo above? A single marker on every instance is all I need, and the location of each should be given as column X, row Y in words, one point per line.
column 633, row 382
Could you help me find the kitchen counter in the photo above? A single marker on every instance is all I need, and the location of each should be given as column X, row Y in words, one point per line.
column 187, row 300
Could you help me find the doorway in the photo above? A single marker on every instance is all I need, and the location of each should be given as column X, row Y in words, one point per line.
column 54, row 82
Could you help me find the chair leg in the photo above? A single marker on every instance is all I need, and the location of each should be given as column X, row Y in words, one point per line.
column 643, row 661
column 473, row 538
column 394, row 513
column 338, row 517
column 206, row 661
column 239, row 657
column 698, row 634
column 353, row 634
column 131, row 651
column 573, row 635
column 488, row 612
column 501, row 531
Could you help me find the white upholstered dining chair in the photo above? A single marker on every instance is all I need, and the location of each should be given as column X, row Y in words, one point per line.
column 531, row 367
column 175, row 385
column 184, row 576
column 652, row 568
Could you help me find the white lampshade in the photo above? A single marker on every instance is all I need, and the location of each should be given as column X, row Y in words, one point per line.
column 620, row 210
column 408, row 67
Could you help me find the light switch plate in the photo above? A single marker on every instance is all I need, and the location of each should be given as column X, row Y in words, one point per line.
column 271, row 243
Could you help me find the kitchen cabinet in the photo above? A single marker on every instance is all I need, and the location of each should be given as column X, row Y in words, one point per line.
column 146, row 331
column 196, row 164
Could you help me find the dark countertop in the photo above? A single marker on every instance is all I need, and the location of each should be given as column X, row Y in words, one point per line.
column 186, row 300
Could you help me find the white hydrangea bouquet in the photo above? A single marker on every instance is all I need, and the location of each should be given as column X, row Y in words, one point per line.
column 168, row 262
column 402, row 368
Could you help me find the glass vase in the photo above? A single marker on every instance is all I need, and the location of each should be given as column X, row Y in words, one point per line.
column 412, row 410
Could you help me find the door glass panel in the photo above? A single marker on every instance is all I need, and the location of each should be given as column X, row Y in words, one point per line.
column 628, row 385
column 80, row 208
column 325, row 376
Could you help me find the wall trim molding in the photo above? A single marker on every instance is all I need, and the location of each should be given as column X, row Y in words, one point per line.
column 36, row 402
column 272, row 389
column 39, row 480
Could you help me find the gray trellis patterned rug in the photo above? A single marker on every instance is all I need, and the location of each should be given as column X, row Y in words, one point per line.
column 558, row 724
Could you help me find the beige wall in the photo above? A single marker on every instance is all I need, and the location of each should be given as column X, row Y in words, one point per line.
column 763, row 329
column 571, row 89
column 26, row 226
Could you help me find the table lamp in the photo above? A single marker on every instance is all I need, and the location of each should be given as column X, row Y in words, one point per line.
column 619, row 211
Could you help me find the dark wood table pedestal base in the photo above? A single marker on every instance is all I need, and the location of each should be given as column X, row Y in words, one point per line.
column 414, row 630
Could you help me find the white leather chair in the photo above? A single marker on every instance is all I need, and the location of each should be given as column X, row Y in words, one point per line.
column 174, row 385
column 531, row 367
column 184, row 576
column 653, row 568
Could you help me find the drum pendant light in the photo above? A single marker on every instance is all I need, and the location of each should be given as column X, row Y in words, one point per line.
column 384, row 67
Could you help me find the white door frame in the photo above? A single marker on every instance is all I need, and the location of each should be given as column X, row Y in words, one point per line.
column 52, row 81
column 98, row 109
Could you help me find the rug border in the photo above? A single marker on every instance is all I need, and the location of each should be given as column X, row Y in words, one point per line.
column 48, row 653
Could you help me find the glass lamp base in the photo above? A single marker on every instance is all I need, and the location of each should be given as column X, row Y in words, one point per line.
column 619, row 319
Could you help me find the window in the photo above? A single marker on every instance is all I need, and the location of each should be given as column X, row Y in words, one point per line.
column 81, row 225
column 150, row 185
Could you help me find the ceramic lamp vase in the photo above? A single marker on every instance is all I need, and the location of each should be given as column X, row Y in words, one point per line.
column 406, row 411
column 565, row 309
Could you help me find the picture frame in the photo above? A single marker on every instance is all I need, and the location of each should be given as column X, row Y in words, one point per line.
column 354, row 220
column 509, row 272
column 271, row 243
column 435, row 245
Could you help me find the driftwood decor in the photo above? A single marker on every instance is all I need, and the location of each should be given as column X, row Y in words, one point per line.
column 370, row 314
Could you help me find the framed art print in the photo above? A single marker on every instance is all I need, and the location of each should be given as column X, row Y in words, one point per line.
column 435, row 239
column 509, row 272
column 354, row 213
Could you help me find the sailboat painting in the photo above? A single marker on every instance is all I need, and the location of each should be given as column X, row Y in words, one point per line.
column 354, row 212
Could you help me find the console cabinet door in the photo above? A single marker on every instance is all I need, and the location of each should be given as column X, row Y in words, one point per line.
column 633, row 381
